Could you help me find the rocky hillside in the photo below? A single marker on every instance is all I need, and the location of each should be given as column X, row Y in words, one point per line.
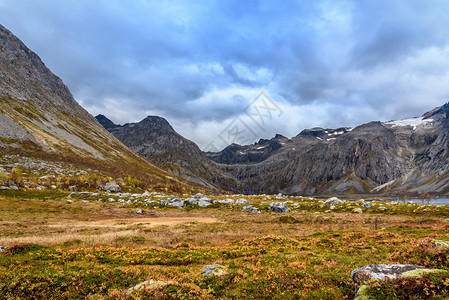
column 391, row 158
column 39, row 118
column 155, row 139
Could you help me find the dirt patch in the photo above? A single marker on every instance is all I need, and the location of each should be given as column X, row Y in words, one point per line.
column 148, row 222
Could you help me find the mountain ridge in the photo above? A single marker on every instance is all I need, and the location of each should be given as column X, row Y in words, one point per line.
column 156, row 140
column 40, row 118
column 377, row 157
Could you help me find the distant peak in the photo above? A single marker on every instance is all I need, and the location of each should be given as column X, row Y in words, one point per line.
column 105, row 122
column 279, row 136
column 154, row 119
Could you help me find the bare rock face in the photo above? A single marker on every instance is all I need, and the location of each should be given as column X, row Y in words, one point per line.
column 36, row 105
column 376, row 157
column 236, row 154
column 156, row 140
column 390, row 157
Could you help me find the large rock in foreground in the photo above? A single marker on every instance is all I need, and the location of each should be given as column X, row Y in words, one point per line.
column 363, row 275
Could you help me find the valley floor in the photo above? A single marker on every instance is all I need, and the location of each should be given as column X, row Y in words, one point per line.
column 90, row 246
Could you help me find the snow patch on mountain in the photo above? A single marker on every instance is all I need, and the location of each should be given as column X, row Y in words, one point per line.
column 414, row 122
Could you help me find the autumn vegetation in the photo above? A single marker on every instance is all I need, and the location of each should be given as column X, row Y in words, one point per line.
column 62, row 247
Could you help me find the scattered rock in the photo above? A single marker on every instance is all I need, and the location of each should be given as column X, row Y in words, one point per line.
column 203, row 203
column 241, row 201
column 179, row 203
column 85, row 201
column 214, row 269
column 367, row 205
column 198, row 196
column 148, row 285
column 279, row 196
column 4, row 188
column 226, row 201
column 333, row 201
column 248, row 208
column 3, row 248
column 139, row 211
column 279, row 207
column 164, row 202
column 73, row 188
column 112, row 187
column 14, row 187
column 146, row 194
column 266, row 198
column 69, row 201
column 295, row 204
column 192, row 201
column 357, row 210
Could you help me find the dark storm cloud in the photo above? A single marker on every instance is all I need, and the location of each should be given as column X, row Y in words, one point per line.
column 202, row 61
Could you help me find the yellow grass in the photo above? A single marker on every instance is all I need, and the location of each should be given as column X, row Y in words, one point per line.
column 77, row 224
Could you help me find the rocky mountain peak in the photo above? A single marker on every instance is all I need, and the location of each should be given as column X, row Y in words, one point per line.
column 156, row 123
column 24, row 76
column 156, row 140
column 279, row 136
column 105, row 122
column 441, row 110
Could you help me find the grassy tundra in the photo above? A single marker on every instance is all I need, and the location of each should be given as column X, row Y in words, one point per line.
column 99, row 246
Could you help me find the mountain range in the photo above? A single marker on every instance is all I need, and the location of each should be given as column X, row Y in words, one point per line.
column 375, row 158
column 39, row 118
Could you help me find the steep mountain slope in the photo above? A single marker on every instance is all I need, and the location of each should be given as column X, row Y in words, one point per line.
column 40, row 118
column 155, row 139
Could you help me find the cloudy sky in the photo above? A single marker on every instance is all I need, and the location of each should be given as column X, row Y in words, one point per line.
column 200, row 64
